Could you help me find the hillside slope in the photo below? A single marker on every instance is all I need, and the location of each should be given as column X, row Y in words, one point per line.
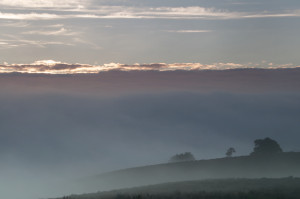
column 221, row 188
column 276, row 166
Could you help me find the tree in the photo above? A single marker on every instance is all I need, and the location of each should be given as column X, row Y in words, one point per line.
column 266, row 146
column 187, row 156
column 230, row 151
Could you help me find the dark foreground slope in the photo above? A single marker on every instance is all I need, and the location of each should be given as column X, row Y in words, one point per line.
column 222, row 188
column 276, row 166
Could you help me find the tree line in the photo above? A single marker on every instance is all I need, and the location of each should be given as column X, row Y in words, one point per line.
column 262, row 147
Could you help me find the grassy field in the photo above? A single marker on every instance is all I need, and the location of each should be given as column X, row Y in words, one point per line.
column 263, row 188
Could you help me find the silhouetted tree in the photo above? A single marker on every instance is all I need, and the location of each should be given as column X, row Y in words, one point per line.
column 266, row 146
column 187, row 156
column 230, row 151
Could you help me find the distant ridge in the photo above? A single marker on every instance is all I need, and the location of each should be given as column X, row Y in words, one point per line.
column 243, row 80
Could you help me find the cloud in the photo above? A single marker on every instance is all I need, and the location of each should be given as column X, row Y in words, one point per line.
column 60, row 32
column 13, row 43
column 164, row 12
column 56, row 67
column 190, row 31
column 14, row 24
column 194, row 11
column 29, row 16
column 44, row 3
column 288, row 13
column 8, row 41
column 126, row 12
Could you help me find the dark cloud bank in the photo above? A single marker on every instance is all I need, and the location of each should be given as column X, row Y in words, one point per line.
column 58, row 127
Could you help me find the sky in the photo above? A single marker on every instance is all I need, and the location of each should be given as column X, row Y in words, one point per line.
column 93, row 86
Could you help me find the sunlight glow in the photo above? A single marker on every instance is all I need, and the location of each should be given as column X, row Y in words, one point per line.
column 58, row 67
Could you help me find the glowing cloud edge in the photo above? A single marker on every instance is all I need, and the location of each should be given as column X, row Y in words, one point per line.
column 57, row 67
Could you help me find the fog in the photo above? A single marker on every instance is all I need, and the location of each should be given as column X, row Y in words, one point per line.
column 50, row 137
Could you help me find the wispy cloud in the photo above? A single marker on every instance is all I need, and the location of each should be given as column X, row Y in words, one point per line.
column 13, row 43
column 56, row 67
column 289, row 13
column 14, row 24
column 29, row 16
column 60, row 32
column 52, row 34
column 44, row 3
column 123, row 12
column 189, row 31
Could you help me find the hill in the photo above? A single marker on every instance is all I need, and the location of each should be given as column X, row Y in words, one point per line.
column 221, row 188
column 275, row 166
